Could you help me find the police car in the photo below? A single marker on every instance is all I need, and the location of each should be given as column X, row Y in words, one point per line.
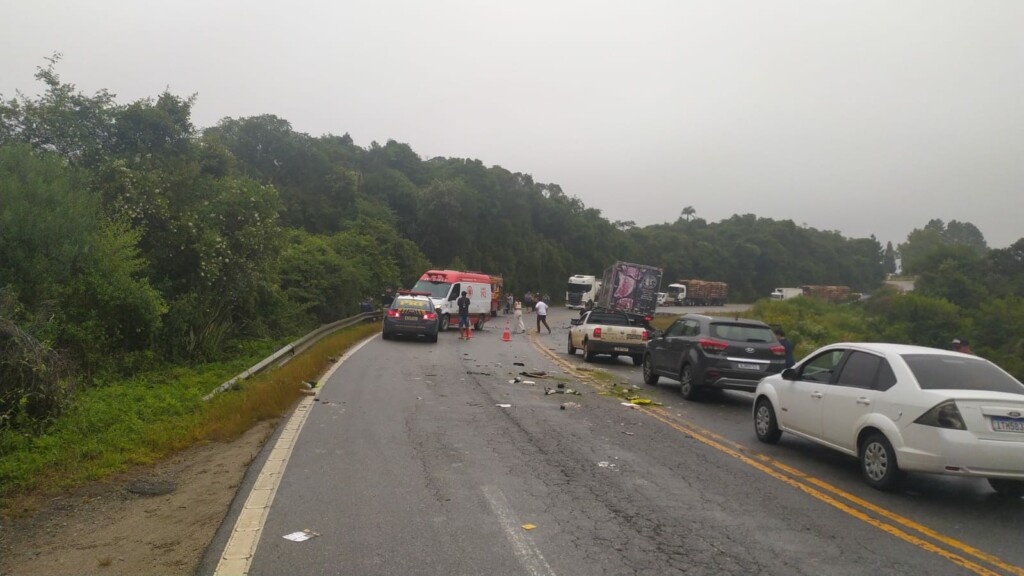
column 410, row 314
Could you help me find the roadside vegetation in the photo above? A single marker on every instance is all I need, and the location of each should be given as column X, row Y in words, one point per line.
column 143, row 261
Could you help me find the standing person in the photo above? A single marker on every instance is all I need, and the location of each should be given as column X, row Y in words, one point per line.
column 463, row 304
column 788, row 345
column 962, row 345
column 387, row 298
column 508, row 304
column 520, row 327
column 542, row 315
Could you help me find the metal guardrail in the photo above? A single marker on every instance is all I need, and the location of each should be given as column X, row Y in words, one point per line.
column 282, row 356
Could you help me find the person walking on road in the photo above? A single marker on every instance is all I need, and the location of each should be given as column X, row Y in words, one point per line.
column 788, row 345
column 463, row 304
column 518, row 310
column 542, row 315
column 508, row 304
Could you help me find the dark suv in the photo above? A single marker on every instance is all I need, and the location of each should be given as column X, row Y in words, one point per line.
column 706, row 352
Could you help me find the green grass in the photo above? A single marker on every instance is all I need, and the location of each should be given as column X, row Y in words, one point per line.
column 151, row 416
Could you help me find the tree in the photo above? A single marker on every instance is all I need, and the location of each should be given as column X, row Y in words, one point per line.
column 889, row 259
column 688, row 213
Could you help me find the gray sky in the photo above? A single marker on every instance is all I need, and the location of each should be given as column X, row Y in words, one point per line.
column 861, row 116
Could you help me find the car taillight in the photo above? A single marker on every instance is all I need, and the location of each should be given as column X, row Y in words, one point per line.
column 597, row 332
column 430, row 316
column 644, row 337
column 778, row 350
column 710, row 345
column 945, row 415
column 392, row 313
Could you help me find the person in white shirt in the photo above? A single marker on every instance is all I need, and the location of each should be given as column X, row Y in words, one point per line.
column 518, row 309
column 542, row 315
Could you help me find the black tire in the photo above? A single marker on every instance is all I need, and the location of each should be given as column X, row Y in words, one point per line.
column 443, row 323
column 570, row 348
column 686, row 385
column 1007, row 488
column 385, row 335
column 766, row 426
column 878, row 463
column 588, row 355
column 649, row 376
column 638, row 359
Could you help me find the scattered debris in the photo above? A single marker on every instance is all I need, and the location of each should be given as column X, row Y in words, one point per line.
column 629, row 433
column 529, row 382
column 528, row 526
column 628, row 395
column 569, row 405
column 534, row 374
column 301, row 536
column 503, row 405
column 607, row 465
column 477, row 373
column 309, row 383
column 548, row 391
column 307, row 391
column 519, row 364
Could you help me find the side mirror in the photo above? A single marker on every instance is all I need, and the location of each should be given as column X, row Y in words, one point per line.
column 789, row 374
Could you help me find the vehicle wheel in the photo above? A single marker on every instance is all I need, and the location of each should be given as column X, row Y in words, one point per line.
column 443, row 323
column 385, row 335
column 878, row 463
column 1008, row 488
column 479, row 323
column 686, row 386
column 765, row 425
column 571, row 349
column 649, row 376
column 588, row 355
column 638, row 359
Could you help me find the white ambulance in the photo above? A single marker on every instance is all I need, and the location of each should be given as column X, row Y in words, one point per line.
column 445, row 287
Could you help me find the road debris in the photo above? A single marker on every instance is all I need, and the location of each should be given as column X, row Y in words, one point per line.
column 301, row 536
column 534, row 374
column 528, row 526
column 548, row 391
column 519, row 364
column 503, row 405
column 630, row 396
column 569, row 405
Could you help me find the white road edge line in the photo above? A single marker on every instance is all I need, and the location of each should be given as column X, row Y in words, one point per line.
column 245, row 536
column 529, row 556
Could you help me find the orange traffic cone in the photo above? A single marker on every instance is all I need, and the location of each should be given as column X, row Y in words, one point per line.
column 506, row 336
column 469, row 332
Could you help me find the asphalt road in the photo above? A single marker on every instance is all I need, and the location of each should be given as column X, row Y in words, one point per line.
column 406, row 465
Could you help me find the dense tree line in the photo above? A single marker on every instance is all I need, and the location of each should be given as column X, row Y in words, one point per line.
column 130, row 238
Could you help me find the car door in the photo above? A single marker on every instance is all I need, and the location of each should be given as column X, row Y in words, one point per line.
column 678, row 345
column 800, row 400
column 658, row 347
column 852, row 396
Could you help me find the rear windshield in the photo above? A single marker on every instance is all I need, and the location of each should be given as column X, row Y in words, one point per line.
column 742, row 333
column 938, row 372
column 409, row 303
column 608, row 319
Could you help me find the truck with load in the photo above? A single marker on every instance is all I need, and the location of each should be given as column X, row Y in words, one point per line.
column 827, row 293
column 632, row 289
column 581, row 289
column 607, row 332
column 704, row 293
column 675, row 294
column 445, row 287
column 786, row 293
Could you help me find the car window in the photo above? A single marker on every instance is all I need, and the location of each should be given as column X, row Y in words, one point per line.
column 820, row 368
column 742, row 332
column 941, row 372
column 608, row 319
column 691, row 328
column 676, row 329
column 860, row 370
column 886, row 377
column 411, row 303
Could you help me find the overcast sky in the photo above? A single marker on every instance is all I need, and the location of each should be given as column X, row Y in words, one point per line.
column 861, row 116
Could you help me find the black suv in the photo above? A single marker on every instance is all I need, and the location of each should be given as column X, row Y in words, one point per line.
column 706, row 352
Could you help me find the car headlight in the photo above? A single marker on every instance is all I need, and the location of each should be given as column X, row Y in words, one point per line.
column 945, row 415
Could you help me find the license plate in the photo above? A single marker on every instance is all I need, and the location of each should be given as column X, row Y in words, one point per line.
column 749, row 366
column 621, row 349
column 1008, row 424
column 412, row 318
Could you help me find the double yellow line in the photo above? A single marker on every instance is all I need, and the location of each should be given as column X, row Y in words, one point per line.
column 956, row 552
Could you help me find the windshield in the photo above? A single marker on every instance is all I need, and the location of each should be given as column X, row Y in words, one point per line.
column 743, row 333
column 940, row 372
column 578, row 288
column 436, row 289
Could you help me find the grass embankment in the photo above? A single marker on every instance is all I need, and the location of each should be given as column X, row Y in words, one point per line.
column 145, row 419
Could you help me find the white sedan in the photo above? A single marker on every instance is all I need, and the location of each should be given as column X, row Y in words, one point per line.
column 902, row 408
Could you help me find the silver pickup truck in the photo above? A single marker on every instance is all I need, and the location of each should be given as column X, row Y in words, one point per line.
column 607, row 332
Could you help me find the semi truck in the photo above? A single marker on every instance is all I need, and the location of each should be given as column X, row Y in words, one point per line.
column 630, row 288
column 704, row 293
column 675, row 294
column 786, row 293
column 581, row 289
column 827, row 293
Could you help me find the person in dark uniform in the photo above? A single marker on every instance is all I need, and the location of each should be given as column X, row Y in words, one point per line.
column 463, row 304
column 387, row 298
column 781, row 335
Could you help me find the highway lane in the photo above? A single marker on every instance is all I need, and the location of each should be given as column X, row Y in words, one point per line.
column 405, row 465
